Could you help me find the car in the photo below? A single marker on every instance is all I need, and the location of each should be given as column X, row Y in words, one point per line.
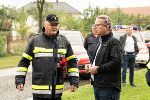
column 76, row 40
column 143, row 56
column 146, row 37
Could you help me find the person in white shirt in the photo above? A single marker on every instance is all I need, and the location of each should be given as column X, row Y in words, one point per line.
column 130, row 50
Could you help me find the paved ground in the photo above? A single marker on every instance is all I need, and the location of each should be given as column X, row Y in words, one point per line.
column 8, row 89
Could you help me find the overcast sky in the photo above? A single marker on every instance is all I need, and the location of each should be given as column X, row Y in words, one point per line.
column 83, row 4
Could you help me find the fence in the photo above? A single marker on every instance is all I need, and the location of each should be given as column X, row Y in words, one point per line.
column 14, row 45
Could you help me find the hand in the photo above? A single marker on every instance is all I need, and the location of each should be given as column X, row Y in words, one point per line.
column 73, row 88
column 93, row 70
column 20, row 87
column 125, row 53
column 87, row 67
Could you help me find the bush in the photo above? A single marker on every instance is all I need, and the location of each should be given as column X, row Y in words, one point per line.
column 2, row 45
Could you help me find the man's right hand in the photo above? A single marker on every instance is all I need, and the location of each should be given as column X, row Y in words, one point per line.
column 87, row 67
column 20, row 87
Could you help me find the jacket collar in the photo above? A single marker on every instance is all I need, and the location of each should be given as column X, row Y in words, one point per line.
column 46, row 36
column 106, row 37
column 92, row 35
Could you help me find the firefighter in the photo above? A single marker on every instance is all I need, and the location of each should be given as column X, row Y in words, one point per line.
column 49, row 52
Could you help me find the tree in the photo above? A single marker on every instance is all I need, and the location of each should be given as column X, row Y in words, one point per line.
column 90, row 15
column 40, row 4
column 6, row 17
column 21, row 26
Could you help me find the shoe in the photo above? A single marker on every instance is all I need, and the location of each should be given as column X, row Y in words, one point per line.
column 132, row 84
column 124, row 85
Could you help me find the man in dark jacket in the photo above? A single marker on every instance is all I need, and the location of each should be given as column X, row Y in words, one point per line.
column 106, row 66
column 130, row 50
column 90, row 43
column 45, row 51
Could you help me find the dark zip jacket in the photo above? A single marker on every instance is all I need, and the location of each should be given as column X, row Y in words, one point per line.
column 109, row 60
column 90, row 44
column 45, row 53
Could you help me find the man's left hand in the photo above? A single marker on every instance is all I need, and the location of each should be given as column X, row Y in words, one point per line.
column 93, row 70
column 73, row 88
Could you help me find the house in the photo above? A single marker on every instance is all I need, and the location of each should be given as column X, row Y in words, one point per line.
column 144, row 11
column 56, row 6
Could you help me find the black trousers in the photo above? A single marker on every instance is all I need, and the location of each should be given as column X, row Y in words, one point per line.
column 37, row 98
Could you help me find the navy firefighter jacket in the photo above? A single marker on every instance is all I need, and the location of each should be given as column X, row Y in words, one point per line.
column 45, row 53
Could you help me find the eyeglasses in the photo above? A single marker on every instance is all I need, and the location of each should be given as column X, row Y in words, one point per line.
column 96, row 25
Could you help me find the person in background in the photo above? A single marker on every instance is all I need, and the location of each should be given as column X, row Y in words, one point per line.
column 46, row 51
column 129, row 50
column 106, row 66
column 90, row 43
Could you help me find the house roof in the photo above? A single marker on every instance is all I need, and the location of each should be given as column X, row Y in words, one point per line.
column 57, row 6
column 144, row 11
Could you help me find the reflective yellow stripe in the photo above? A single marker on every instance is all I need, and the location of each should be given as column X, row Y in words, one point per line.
column 40, row 87
column 38, row 49
column 148, row 65
column 64, row 51
column 22, row 69
column 70, row 57
column 58, row 87
column 73, row 70
column 27, row 56
column 46, row 87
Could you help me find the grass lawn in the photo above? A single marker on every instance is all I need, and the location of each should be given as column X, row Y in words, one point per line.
column 10, row 61
column 142, row 92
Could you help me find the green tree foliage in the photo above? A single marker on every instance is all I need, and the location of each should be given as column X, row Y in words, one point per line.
column 35, row 12
column 6, row 17
column 67, row 20
column 117, row 16
column 1, row 44
column 90, row 15
column 21, row 20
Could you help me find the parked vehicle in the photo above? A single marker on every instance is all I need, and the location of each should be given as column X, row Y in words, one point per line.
column 143, row 55
column 146, row 37
column 76, row 40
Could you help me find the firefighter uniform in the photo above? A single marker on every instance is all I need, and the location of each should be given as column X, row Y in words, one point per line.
column 45, row 53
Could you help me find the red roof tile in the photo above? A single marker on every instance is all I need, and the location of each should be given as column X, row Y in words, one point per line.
column 144, row 11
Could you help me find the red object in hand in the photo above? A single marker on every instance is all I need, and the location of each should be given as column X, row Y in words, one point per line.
column 63, row 66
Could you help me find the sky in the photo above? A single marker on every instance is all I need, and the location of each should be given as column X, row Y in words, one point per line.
column 83, row 4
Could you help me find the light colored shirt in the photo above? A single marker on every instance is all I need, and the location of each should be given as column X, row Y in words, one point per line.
column 129, row 45
column 100, row 41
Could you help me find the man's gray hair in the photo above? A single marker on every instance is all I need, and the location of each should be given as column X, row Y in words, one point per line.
column 107, row 20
